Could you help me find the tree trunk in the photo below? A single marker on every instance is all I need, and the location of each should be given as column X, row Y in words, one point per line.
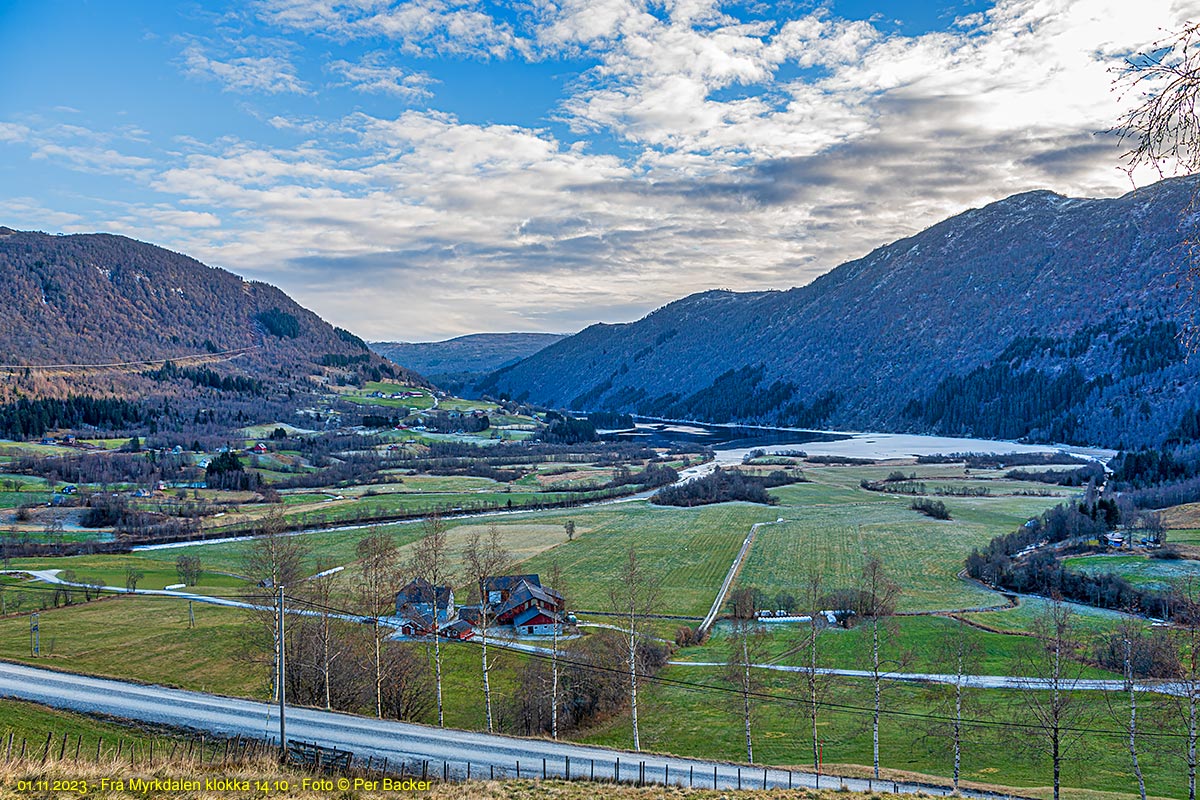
column 378, row 674
column 437, row 663
column 325, row 657
column 637, row 743
column 554, row 687
column 812, row 689
column 1193, row 701
column 746, row 694
column 875, row 675
column 958, row 720
column 1137, row 769
column 487, row 687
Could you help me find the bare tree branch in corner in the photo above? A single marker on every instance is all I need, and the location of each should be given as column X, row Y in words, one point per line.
column 1163, row 130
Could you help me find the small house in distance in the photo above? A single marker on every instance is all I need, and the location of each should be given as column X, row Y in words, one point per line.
column 420, row 597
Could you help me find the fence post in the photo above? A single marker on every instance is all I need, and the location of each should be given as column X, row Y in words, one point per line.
column 593, row 769
column 78, row 744
column 764, row 778
column 543, row 769
column 8, row 752
column 445, row 770
column 714, row 776
column 617, row 770
column 62, row 748
column 739, row 777
column 468, row 770
column 99, row 742
column 518, row 769
column 692, row 775
column 567, row 769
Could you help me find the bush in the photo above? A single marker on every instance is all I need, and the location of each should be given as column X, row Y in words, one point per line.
column 931, row 508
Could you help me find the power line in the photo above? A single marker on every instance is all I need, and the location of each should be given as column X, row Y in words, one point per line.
column 777, row 698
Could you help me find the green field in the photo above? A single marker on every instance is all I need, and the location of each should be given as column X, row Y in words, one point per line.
column 909, row 644
column 924, row 555
column 143, row 638
column 689, row 551
column 111, row 571
column 705, row 721
column 1091, row 621
column 1149, row 573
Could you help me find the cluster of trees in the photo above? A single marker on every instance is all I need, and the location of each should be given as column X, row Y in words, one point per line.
column 610, row 420
column 931, row 508
column 210, row 378
column 26, row 419
column 567, row 430
column 999, row 401
column 279, row 323
column 723, row 486
column 1080, row 476
column 738, row 394
column 1012, row 561
column 226, row 472
column 450, row 422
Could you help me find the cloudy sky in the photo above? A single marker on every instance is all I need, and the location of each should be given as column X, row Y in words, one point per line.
column 419, row 169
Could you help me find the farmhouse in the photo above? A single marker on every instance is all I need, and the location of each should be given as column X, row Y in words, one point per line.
column 522, row 602
column 419, row 597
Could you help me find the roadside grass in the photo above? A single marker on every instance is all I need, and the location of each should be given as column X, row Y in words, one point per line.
column 32, row 722
column 1150, row 573
column 700, row 717
column 142, row 638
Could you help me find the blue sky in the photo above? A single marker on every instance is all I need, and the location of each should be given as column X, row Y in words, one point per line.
column 419, row 169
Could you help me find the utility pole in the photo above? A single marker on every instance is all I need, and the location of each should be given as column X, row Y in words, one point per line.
column 282, row 690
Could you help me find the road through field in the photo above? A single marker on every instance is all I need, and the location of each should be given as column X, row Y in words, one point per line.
column 417, row 747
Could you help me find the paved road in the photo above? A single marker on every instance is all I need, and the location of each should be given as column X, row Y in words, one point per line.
column 400, row 743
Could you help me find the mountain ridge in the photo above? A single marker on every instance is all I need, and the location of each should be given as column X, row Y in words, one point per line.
column 89, row 299
column 856, row 347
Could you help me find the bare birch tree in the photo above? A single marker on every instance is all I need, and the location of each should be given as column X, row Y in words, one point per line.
column 745, row 647
column 1048, row 691
column 484, row 559
column 879, row 595
column 958, row 653
column 1185, row 605
column 812, row 595
column 378, row 573
column 273, row 559
column 431, row 563
column 558, row 584
column 634, row 596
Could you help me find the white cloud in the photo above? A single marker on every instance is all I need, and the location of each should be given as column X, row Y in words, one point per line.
column 372, row 74
column 268, row 74
column 752, row 155
column 421, row 27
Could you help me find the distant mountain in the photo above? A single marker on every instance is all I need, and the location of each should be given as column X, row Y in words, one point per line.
column 99, row 299
column 1037, row 316
column 456, row 364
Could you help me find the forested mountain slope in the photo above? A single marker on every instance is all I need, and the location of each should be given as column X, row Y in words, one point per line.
column 100, row 299
column 1038, row 315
